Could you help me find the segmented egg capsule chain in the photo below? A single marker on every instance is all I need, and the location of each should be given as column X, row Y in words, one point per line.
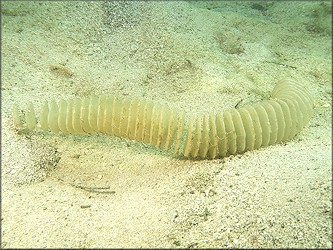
column 211, row 135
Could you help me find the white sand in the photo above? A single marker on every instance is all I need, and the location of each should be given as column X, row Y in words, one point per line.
column 199, row 57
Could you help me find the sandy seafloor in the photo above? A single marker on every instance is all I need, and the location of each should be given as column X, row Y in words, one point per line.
column 199, row 57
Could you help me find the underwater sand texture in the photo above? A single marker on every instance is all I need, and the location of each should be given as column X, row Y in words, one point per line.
column 102, row 191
